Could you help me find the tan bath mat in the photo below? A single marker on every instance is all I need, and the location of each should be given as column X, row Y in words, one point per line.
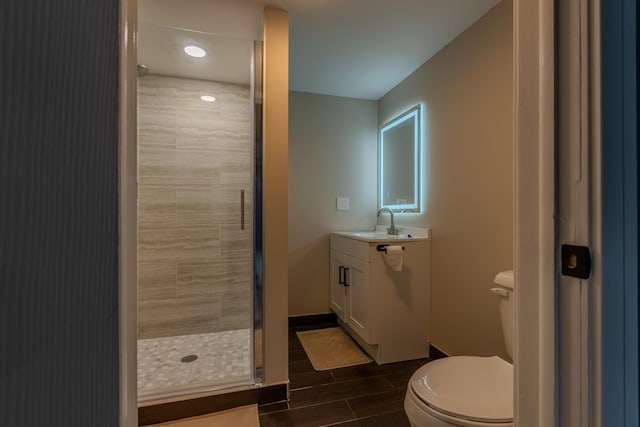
column 245, row 416
column 331, row 348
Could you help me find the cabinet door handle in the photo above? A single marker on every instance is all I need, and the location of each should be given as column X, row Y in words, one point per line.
column 346, row 277
column 340, row 277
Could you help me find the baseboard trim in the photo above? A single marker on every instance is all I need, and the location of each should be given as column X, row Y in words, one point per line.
column 312, row 319
column 436, row 353
column 172, row 411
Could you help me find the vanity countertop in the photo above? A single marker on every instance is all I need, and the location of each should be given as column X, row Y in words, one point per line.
column 406, row 234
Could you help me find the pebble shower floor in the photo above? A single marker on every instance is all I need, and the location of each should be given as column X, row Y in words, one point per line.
column 222, row 358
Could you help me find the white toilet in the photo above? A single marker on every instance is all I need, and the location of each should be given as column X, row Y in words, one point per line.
column 467, row 391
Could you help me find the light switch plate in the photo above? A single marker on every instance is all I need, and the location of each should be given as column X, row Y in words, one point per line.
column 342, row 204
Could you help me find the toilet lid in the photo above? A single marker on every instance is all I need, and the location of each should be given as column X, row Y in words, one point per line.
column 473, row 388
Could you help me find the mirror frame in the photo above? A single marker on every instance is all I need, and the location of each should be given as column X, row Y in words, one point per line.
column 416, row 114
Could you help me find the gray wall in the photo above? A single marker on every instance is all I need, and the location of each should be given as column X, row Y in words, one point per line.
column 333, row 152
column 58, row 213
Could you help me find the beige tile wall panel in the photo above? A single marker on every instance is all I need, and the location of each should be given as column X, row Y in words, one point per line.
column 178, row 316
column 156, row 128
column 157, row 207
column 179, row 244
column 205, row 279
column 194, row 158
column 156, row 280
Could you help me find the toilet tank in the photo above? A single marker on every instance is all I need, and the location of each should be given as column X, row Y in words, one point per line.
column 504, row 280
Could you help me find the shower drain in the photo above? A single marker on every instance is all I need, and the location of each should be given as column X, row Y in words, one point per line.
column 189, row 358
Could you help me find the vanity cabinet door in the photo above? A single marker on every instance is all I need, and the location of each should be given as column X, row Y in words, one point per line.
column 358, row 301
column 338, row 290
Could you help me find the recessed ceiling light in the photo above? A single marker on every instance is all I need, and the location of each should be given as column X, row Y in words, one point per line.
column 207, row 98
column 195, row 51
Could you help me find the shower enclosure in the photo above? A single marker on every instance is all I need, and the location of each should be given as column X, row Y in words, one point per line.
column 199, row 310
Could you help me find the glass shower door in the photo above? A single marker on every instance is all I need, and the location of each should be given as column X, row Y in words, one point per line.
column 195, row 212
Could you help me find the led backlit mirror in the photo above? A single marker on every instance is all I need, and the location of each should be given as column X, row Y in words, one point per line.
column 400, row 162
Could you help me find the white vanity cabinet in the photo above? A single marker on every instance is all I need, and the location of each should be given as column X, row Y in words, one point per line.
column 350, row 290
column 387, row 312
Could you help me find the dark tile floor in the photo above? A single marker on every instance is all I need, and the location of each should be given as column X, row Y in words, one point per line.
column 368, row 395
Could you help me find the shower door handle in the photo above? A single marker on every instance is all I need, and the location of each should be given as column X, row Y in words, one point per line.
column 241, row 209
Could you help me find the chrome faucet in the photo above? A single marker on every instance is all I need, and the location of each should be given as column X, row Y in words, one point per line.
column 392, row 230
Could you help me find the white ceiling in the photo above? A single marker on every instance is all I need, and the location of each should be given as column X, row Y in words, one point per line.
column 352, row 48
column 161, row 50
column 363, row 48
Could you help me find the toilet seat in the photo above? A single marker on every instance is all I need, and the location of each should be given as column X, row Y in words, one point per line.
column 477, row 389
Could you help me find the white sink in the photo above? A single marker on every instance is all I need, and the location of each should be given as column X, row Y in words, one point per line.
column 407, row 234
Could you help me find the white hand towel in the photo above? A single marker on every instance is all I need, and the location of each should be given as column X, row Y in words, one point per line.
column 393, row 257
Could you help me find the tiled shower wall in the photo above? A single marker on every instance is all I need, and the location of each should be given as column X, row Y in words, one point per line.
column 194, row 261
